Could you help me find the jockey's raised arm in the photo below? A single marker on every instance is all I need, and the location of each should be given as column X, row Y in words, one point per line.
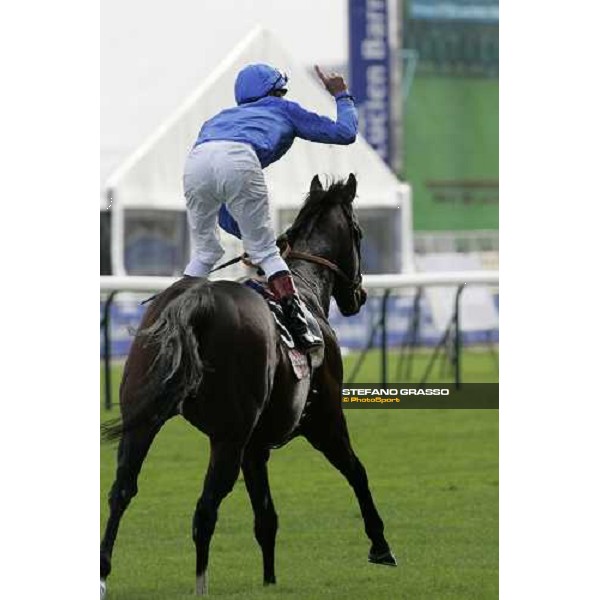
column 316, row 128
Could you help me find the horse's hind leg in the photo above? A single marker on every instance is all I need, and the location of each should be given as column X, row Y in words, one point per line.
column 133, row 448
column 256, row 479
column 223, row 470
column 329, row 434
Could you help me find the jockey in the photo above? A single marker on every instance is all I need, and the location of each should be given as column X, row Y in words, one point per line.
column 223, row 178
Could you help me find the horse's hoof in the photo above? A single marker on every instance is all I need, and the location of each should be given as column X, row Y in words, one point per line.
column 383, row 558
column 102, row 589
column 202, row 585
column 269, row 581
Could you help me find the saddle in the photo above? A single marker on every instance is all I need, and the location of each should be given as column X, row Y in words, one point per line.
column 302, row 363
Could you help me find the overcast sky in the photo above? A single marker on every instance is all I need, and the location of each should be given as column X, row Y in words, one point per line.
column 155, row 52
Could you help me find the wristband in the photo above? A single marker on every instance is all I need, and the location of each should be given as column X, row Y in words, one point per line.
column 342, row 95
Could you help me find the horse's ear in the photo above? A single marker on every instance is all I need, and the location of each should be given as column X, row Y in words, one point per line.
column 351, row 187
column 315, row 184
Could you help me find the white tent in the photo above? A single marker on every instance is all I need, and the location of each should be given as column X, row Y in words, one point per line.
column 149, row 180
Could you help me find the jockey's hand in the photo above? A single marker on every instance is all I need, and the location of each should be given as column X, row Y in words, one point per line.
column 334, row 82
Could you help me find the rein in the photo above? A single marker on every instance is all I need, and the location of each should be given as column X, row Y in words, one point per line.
column 289, row 253
column 319, row 261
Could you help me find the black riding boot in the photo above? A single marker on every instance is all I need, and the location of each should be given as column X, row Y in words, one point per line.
column 282, row 286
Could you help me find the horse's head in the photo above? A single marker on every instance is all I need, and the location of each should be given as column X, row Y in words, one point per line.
column 327, row 227
column 348, row 291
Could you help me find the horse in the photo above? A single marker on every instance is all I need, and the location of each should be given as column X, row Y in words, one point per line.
column 210, row 351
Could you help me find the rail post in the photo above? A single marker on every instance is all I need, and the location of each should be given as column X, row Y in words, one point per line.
column 384, row 301
column 107, row 350
column 404, row 364
column 457, row 337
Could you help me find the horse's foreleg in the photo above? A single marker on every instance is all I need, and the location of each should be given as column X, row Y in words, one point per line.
column 224, row 467
column 331, row 437
column 133, row 448
column 256, row 479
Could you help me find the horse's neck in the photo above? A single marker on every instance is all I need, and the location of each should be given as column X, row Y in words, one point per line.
column 315, row 284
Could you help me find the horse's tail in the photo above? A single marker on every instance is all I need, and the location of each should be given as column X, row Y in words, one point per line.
column 177, row 369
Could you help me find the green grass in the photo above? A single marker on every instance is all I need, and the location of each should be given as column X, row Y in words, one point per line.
column 434, row 477
column 479, row 365
column 451, row 132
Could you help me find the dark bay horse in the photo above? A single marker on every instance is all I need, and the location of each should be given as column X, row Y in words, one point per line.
column 210, row 352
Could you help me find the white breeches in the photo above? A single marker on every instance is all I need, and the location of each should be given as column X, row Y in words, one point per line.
column 228, row 173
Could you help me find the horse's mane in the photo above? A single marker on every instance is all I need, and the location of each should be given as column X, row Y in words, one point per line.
column 317, row 201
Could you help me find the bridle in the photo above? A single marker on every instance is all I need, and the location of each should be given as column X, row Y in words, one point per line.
column 354, row 282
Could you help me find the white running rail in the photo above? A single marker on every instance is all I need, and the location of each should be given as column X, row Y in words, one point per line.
column 109, row 283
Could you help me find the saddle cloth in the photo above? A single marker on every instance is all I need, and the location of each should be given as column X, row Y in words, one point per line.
column 301, row 363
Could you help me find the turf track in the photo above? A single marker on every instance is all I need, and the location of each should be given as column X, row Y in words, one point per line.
column 434, row 475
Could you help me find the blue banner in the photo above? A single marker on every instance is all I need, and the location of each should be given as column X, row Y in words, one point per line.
column 370, row 72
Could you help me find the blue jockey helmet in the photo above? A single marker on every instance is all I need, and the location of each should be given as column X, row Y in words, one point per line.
column 257, row 81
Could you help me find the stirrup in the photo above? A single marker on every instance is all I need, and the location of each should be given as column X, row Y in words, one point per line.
column 308, row 341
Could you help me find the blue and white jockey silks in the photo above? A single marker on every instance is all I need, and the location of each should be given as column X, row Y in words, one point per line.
column 223, row 177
